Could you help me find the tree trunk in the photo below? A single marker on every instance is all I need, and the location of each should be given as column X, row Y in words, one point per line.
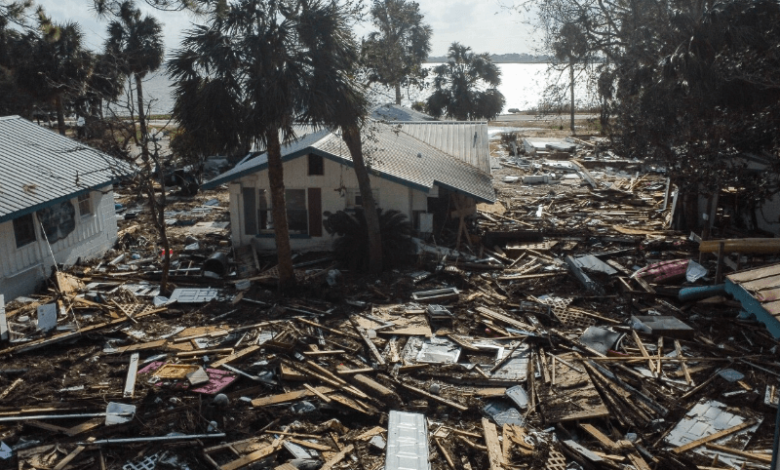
column 141, row 118
column 397, row 93
column 158, row 212
column 571, row 86
column 351, row 137
column 60, row 114
column 279, row 211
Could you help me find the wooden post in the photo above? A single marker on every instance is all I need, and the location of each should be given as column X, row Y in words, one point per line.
column 719, row 272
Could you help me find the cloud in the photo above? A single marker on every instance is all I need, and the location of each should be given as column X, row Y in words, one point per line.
column 481, row 24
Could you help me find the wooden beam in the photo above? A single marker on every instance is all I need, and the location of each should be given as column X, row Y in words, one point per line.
column 254, row 456
column 132, row 371
column 285, row 397
column 236, row 355
column 495, row 455
column 605, row 441
column 765, row 458
column 337, row 458
column 72, row 455
column 712, row 437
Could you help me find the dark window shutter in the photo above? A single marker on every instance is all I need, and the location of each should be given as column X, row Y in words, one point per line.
column 315, row 212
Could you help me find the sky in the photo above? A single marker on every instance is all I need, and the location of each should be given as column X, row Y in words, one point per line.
column 483, row 25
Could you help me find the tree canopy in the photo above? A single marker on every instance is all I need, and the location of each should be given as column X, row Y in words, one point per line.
column 258, row 68
column 466, row 86
column 394, row 53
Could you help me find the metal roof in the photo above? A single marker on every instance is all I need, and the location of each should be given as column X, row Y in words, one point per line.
column 468, row 141
column 41, row 168
column 759, row 292
column 394, row 154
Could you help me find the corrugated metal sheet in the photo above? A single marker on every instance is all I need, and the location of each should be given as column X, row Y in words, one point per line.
column 41, row 167
column 466, row 141
column 759, row 292
column 407, row 442
column 394, row 154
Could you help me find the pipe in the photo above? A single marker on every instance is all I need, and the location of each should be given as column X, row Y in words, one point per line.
column 690, row 294
column 217, row 263
column 129, row 440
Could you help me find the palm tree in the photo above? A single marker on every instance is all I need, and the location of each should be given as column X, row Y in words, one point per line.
column 58, row 66
column 138, row 42
column 395, row 52
column 571, row 47
column 270, row 64
column 458, row 86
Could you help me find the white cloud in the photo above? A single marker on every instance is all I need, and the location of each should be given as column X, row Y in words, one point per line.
column 481, row 24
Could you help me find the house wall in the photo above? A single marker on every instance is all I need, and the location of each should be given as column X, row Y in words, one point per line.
column 22, row 269
column 392, row 195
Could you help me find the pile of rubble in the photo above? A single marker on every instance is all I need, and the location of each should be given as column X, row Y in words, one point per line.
column 570, row 329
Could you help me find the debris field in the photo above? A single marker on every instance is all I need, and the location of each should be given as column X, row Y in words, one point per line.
column 565, row 326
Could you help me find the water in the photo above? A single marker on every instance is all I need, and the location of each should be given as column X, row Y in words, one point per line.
column 523, row 86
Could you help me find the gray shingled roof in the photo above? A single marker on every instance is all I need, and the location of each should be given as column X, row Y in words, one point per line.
column 41, row 168
column 393, row 154
column 398, row 113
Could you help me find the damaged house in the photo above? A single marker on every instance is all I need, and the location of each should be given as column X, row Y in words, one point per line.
column 56, row 203
column 427, row 170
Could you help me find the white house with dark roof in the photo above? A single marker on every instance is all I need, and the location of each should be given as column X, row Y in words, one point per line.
column 415, row 168
column 56, row 203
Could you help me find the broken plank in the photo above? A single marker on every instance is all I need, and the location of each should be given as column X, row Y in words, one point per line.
column 605, row 441
column 254, row 456
column 457, row 406
column 495, row 455
column 285, row 397
column 72, row 455
column 686, row 371
column 235, row 356
column 370, row 385
column 311, row 445
column 313, row 390
column 637, row 461
column 370, row 433
column 765, row 458
column 85, row 426
column 337, row 458
column 712, row 437
column 49, row 427
column 132, row 371
column 370, row 344
column 446, row 454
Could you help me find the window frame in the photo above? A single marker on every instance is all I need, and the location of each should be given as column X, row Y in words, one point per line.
column 21, row 243
column 319, row 165
column 354, row 193
column 88, row 200
column 269, row 220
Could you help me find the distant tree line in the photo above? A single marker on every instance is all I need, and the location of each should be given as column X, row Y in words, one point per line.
column 505, row 59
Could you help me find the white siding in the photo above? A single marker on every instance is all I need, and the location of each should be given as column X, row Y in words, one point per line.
column 392, row 196
column 22, row 269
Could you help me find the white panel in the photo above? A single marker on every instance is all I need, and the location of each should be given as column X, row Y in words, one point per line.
column 407, row 442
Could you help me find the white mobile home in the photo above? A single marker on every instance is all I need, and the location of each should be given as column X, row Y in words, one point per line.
column 56, row 203
column 415, row 168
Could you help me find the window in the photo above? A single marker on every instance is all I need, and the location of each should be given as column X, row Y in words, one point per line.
column 316, row 165
column 85, row 204
column 297, row 217
column 250, row 213
column 263, row 211
column 24, row 230
column 354, row 199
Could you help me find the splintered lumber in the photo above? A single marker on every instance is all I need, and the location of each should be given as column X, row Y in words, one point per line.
column 742, row 245
column 347, row 334
column 313, row 390
column 235, row 356
column 605, row 441
column 712, row 437
column 765, row 458
column 685, row 369
column 637, row 461
column 290, row 396
column 3, row 320
column 370, row 433
column 311, row 445
column 337, row 458
column 642, row 349
column 495, row 455
column 371, row 386
column 85, row 426
column 49, row 427
column 502, row 318
column 326, row 372
column 364, row 370
column 457, row 406
column 254, row 456
column 446, row 454
column 370, row 344
column 68, row 458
